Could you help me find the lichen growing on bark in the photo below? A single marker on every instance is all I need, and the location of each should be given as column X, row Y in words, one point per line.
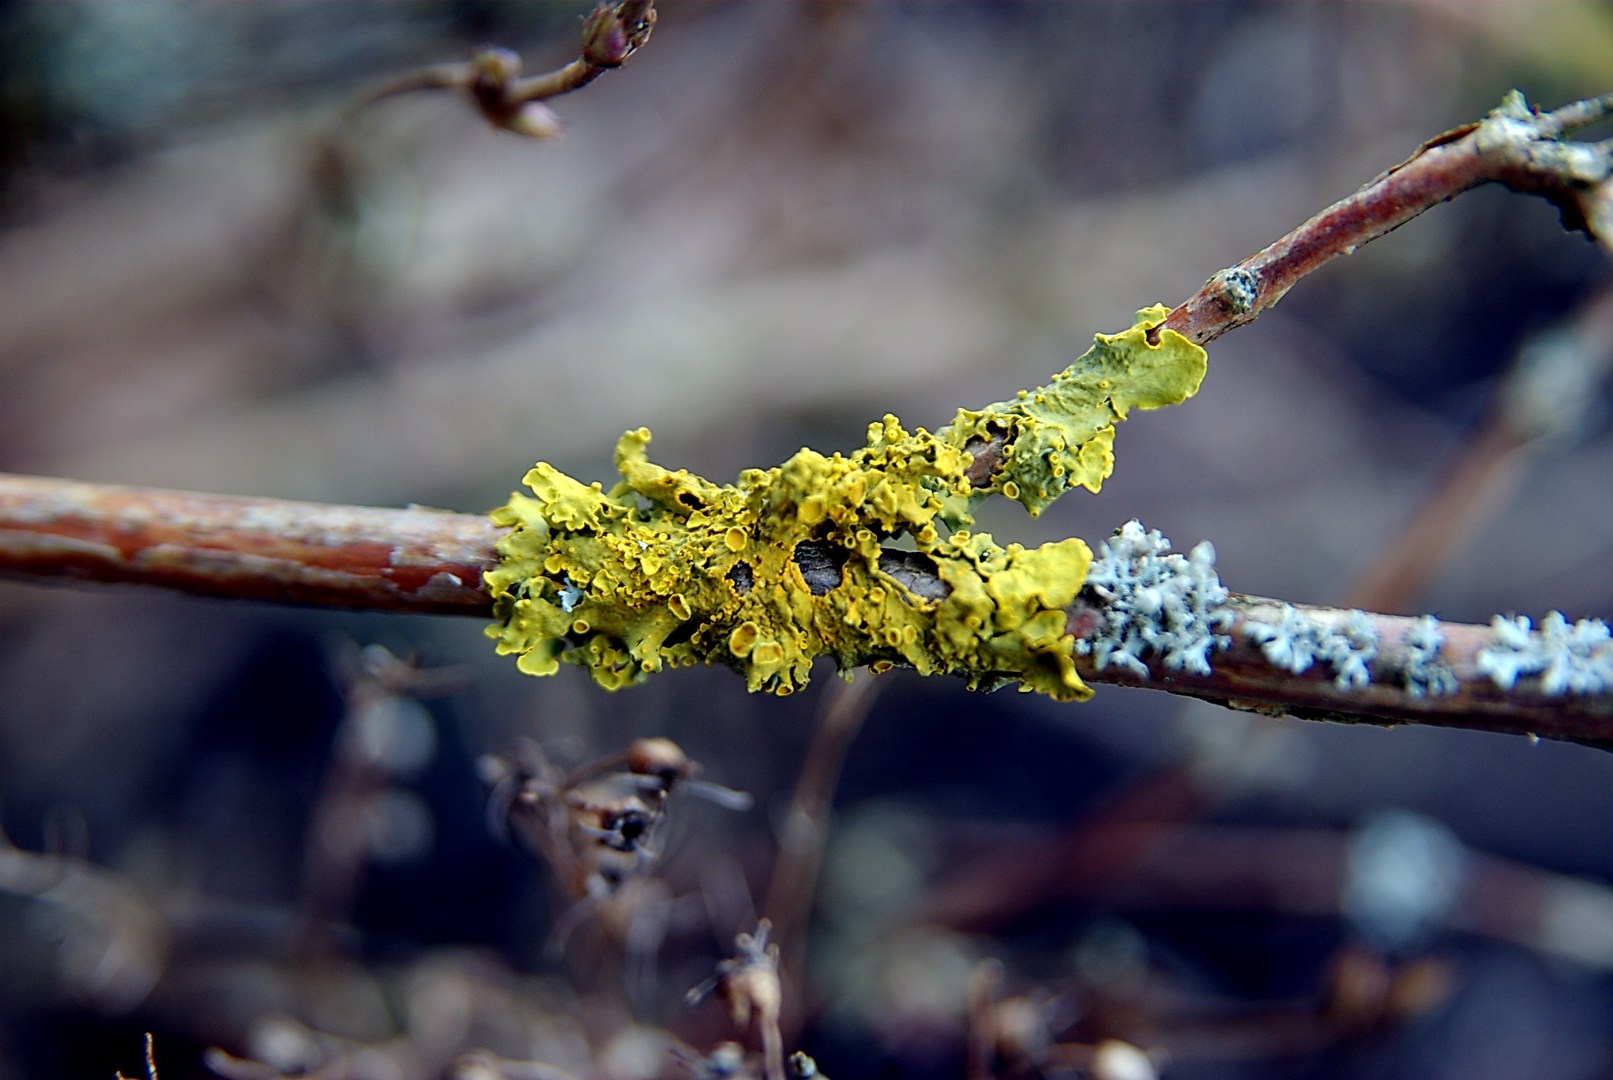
column 667, row 569
column 1062, row 435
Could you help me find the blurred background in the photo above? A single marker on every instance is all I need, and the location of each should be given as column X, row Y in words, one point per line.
column 267, row 830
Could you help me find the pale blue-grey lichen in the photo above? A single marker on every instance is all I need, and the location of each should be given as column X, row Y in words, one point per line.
column 1238, row 288
column 1155, row 604
column 568, row 595
column 1422, row 672
column 1298, row 641
column 1569, row 659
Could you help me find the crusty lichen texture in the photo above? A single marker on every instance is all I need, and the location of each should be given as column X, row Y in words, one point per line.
column 867, row 558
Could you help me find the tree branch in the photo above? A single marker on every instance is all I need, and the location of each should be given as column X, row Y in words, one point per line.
column 1513, row 146
column 492, row 78
column 1244, row 678
column 431, row 561
column 416, row 560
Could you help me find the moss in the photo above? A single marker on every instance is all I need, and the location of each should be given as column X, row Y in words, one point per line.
column 766, row 574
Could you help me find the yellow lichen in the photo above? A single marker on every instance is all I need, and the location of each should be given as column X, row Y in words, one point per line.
column 1062, row 435
column 792, row 563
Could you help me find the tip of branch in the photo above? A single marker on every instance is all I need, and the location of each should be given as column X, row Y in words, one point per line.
column 613, row 32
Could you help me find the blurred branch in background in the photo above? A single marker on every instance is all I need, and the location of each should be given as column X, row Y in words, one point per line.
column 492, row 78
column 1547, row 398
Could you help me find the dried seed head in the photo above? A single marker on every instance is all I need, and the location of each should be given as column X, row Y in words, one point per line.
column 747, row 982
column 661, row 758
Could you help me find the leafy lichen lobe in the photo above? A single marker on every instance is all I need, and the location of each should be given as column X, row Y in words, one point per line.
column 1062, row 435
column 667, row 569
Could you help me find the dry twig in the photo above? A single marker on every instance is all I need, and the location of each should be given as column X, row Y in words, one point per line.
column 506, row 99
column 1513, row 146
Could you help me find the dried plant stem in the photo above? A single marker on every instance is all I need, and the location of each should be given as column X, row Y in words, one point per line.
column 804, row 831
column 1512, row 147
column 430, row 561
column 610, row 34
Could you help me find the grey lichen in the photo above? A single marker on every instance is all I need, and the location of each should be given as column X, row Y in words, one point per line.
column 1569, row 659
column 569, row 595
column 1238, row 288
column 1422, row 672
column 1298, row 641
column 1155, row 603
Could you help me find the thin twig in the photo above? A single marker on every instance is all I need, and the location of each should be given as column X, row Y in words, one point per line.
column 1512, row 146
column 492, row 78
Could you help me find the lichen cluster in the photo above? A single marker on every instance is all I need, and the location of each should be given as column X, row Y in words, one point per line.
column 1299, row 640
column 866, row 558
column 1569, row 658
column 1062, row 435
column 1423, row 673
column 1156, row 603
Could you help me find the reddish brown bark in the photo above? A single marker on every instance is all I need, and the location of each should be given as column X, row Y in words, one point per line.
column 1522, row 154
column 258, row 549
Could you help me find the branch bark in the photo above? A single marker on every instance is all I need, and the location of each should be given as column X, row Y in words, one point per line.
column 427, row 561
column 1243, row 678
column 1513, row 146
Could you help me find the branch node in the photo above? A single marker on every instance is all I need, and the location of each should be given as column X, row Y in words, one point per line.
column 1237, row 288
